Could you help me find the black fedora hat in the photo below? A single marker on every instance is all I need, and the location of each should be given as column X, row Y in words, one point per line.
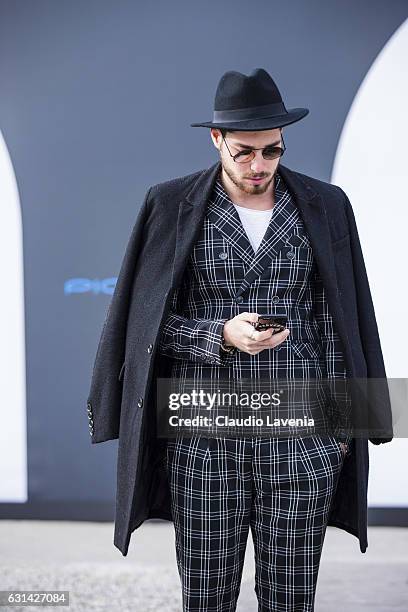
column 250, row 103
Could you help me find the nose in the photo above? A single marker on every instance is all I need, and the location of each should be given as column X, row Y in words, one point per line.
column 259, row 163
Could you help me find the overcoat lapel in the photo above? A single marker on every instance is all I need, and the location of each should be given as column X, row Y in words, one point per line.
column 190, row 218
column 314, row 216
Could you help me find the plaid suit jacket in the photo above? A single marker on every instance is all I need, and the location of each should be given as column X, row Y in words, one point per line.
column 224, row 276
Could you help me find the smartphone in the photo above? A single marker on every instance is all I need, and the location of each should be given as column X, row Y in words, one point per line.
column 268, row 321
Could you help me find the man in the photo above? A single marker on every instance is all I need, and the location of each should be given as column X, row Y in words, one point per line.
column 214, row 251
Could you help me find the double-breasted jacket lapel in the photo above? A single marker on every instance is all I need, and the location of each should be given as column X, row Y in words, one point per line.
column 223, row 215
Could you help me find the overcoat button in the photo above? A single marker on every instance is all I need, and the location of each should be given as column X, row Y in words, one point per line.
column 140, row 402
column 150, row 348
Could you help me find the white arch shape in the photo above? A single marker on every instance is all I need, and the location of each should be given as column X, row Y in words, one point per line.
column 13, row 419
column 371, row 166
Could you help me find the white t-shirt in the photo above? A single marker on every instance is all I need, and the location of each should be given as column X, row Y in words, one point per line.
column 255, row 223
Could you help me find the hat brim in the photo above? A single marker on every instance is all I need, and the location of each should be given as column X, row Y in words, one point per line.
column 266, row 123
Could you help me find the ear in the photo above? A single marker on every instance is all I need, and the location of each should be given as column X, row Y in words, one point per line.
column 216, row 137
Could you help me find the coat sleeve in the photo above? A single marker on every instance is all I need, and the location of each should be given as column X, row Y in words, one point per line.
column 105, row 395
column 380, row 415
column 194, row 339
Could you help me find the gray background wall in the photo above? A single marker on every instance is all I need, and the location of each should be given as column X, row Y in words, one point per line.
column 95, row 105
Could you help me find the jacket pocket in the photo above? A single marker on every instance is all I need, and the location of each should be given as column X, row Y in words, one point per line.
column 341, row 242
column 299, row 239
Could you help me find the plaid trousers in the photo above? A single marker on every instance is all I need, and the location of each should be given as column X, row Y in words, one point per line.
column 281, row 488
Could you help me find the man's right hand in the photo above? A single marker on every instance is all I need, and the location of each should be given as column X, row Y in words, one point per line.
column 240, row 333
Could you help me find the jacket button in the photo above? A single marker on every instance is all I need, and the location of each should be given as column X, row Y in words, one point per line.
column 239, row 299
column 290, row 255
column 275, row 299
column 223, row 255
column 140, row 402
column 150, row 348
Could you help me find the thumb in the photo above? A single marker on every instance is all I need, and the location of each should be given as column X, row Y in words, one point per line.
column 251, row 317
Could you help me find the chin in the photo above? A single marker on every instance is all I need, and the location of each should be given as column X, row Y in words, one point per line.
column 255, row 189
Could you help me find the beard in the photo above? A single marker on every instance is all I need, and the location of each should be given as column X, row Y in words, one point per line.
column 246, row 186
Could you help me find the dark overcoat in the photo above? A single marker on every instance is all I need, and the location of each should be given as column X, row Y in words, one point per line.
column 122, row 398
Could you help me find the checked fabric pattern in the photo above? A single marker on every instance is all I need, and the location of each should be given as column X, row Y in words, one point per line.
column 280, row 488
column 224, row 276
